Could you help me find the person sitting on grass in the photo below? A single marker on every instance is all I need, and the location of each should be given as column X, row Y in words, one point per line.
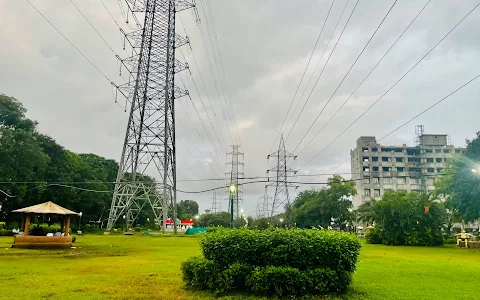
column 463, row 237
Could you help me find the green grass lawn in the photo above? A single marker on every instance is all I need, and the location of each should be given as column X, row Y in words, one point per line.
column 148, row 267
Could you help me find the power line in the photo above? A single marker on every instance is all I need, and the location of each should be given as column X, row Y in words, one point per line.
column 416, row 116
column 93, row 27
column 344, row 77
column 212, row 189
column 303, row 75
column 328, row 59
column 113, row 18
column 221, row 67
column 391, row 87
column 222, row 140
column 73, row 45
column 365, row 78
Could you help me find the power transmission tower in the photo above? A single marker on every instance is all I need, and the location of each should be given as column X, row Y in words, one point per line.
column 282, row 196
column 149, row 145
column 234, row 175
column 214, row 209
column 263, row 205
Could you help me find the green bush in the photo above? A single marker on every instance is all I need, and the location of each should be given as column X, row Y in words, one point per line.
column 137, row 229
column 5, row 232
column 234, row 278
column 297, row 248
column 274, row 262
column 372, row 236
column 74, row 238
column 3, row 225
column 200, row 273
column 13, row 225
column 214, row 229
column 44, row 227
column 278, row 281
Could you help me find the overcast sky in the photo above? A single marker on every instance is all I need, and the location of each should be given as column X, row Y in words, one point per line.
column 264, row 49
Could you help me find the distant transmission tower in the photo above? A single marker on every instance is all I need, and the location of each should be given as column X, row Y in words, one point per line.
column 263, row 206
column 214, row 209
column 149, row 145
column 282, row 196
column 234, row 175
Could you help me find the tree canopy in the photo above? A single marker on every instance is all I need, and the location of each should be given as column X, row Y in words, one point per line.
column 461, row 183
column 402, row 218
column 315, row 208
column 35, row 168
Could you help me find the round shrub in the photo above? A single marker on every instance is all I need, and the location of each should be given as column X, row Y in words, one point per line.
column 200, row 273
column 276, row 281
column 297, row 248
column 234, row 278
column 372, row 236
column 137, row 229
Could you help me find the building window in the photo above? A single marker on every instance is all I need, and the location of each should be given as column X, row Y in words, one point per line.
column 385, row 158
column 387, row 180
column 376, row 193
column 366, row 180
column 430, row 170
column 386, row 169
column 438, row 160
column 399, row 159
column 375, row 180
column 398, row 149
column 413, row 159
column 428, row 151
column 375, row 158
column 366, row 192
column 446, row 151
column 365, row 149
column 366, row 169
column 400, row 169
column 375, row 169
column 438, row 150
column 365, row 158
column 430, row 160
column 401, row 180
column 374, row 149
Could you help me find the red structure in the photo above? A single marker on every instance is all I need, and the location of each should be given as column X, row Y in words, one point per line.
column 182, row 223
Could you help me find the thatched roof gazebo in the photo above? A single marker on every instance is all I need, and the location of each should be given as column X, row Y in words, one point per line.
column 47, row 208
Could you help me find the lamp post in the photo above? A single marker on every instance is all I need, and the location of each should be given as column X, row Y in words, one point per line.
column 232, row 188
column 79, row 219
column 123, row 227
column 281, row 222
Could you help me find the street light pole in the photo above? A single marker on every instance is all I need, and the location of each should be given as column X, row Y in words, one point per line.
column 232, row 189
column 79, row 219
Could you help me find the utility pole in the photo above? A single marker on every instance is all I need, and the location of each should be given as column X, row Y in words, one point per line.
column 234, row 176
column 147, row 172
column 281, row 173
column 263, row 205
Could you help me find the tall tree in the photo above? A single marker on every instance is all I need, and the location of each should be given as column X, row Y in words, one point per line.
column 402, row 218
column 12, row 114
column 319, row 207
column 461, row 184
column 187, row 209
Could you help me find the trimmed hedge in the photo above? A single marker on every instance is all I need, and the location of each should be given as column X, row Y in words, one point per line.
column 297, row 248
column 274, row 262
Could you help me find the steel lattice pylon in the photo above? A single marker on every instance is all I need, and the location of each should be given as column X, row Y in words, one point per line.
column 234, row 175
column 263, row 205
column 282, row 196
column 149, row 145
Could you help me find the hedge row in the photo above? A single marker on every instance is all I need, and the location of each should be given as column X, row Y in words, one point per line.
column 297, row 248
column 277, row 262
column 204, row 274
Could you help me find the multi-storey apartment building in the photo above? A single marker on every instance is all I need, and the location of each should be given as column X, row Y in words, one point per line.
column 377, row 168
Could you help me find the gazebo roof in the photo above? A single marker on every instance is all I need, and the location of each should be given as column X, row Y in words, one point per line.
column 47, row 208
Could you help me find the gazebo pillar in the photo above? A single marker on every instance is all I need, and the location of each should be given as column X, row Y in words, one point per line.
column 27, row 225
column 67, row 225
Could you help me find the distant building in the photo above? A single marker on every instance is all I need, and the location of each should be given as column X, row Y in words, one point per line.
column 377, row 168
